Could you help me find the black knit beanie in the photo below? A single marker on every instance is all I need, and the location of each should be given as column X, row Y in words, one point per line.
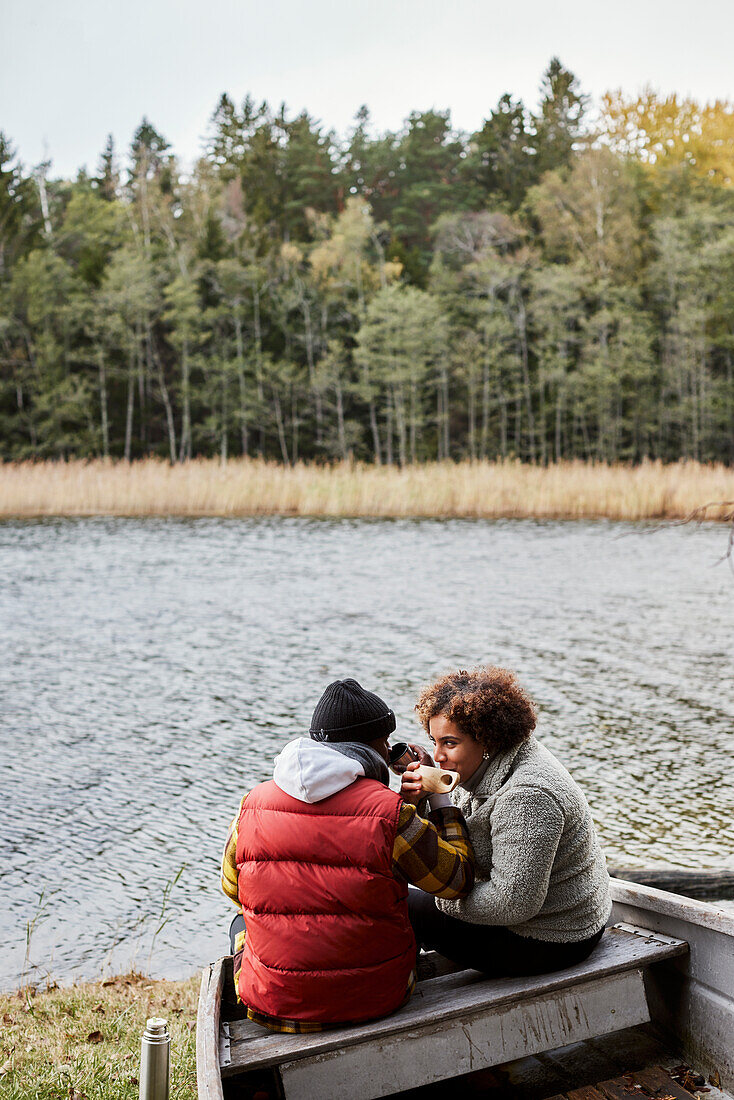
column 346, row 712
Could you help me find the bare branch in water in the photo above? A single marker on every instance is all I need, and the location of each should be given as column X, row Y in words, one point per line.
column 700, row 515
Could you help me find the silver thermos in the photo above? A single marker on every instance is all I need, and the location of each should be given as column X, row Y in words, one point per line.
column 155, row 1056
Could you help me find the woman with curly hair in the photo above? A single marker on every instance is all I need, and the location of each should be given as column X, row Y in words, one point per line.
column 541, row 896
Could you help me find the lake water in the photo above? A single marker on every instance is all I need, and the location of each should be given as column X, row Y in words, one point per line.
column 151, row 669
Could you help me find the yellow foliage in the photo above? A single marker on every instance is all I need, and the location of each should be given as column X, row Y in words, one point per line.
column 668, row 130
column 340, row 257
column 392, row 270
column 325, row 259
column 290, row 253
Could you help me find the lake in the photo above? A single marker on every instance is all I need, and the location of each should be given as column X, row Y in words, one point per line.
column 150, row 670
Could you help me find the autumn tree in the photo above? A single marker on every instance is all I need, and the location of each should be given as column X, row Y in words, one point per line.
column 667, row 130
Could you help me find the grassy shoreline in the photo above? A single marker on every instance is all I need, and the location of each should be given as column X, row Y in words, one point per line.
column 252, row 487
column 83, row 1041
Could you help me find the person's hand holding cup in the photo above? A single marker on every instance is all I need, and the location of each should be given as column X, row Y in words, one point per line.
column 411, row 783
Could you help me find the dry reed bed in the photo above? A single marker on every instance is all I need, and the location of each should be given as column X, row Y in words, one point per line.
column 252, row 487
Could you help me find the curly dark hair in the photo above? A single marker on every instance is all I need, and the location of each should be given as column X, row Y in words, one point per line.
column 487, row 703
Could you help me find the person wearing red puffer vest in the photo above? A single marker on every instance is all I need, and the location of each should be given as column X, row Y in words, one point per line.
column 319, row 859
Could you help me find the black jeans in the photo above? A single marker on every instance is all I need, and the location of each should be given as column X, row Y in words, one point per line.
column 490, row 948
column 237, row 925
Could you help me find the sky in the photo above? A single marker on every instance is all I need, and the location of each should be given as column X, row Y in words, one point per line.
column 75, row 70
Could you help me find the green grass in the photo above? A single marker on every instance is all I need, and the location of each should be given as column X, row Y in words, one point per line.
column 83, row 1042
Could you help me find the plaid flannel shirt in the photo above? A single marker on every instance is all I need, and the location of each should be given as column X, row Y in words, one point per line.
column 433, row 853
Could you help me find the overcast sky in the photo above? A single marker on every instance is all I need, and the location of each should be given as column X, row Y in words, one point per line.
column 74, row 70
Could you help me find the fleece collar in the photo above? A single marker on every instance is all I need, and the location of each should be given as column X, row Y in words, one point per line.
column 498, row 770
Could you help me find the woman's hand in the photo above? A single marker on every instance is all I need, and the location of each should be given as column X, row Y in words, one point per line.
column 423, row 757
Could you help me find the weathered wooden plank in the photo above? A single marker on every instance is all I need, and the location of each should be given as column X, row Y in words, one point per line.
column 432, row 965
column 710, row 957
column 452, row 996
column 691, row 884
column 585, row 1093
column 208, row 1074
column 247, row 1030
column 650, row 900
column 483, row 1038
column 619, row 1088
column 657, row 1082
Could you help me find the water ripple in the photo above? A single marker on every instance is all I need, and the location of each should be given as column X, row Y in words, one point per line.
column 150, row 670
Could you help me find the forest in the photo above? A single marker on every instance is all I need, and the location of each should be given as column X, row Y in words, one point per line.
column 557, row 285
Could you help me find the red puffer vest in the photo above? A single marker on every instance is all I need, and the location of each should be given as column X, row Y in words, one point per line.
column 328, row 936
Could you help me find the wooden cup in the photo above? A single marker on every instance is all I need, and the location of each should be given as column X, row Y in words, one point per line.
column 437, row 780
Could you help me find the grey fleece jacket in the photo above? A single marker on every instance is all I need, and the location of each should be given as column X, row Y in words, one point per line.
column 540, row 869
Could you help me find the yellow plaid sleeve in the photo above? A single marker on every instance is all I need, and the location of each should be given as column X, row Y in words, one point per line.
column 436, row 855
column 229, row 860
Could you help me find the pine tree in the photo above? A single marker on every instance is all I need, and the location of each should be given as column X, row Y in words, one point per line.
column 308, row 173
column 148, row 151
column 108, row 174
column 370, row 167
column 501, row 163
column 429, row 182
column 20, row 214
column 559, row 123
column 230, row 134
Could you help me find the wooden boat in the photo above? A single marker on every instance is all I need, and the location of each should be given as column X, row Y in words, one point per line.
column 663, row 974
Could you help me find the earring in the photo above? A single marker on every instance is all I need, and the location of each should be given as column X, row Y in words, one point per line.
column 485, row 755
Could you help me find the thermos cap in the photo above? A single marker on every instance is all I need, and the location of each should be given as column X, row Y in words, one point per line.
column 156, row 1030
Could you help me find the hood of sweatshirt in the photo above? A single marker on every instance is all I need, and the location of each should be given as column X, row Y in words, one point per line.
column 311, row 770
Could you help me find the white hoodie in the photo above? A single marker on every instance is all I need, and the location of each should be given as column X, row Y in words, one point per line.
column 311, row 771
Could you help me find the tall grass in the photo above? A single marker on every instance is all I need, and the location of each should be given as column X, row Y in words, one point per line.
column 252, row 487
